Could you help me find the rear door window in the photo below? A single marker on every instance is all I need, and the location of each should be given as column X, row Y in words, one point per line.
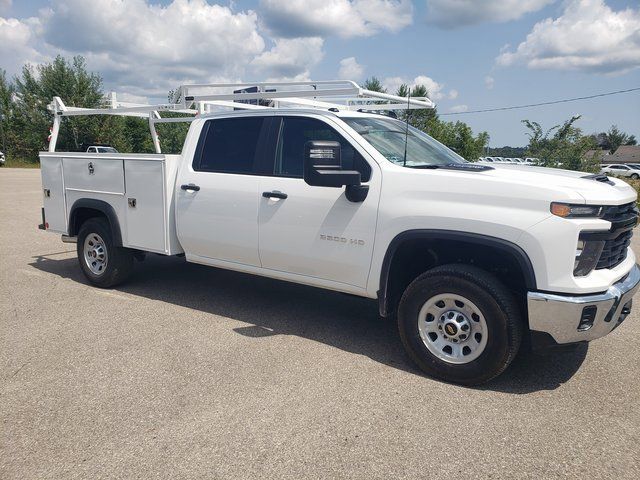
column 230, row 145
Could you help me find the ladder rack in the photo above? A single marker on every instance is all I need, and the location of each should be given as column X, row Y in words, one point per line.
column 194, row 99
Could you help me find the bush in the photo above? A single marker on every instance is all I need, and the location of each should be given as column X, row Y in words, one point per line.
column 635, row 184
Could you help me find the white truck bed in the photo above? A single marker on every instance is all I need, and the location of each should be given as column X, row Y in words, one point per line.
column 139, row 187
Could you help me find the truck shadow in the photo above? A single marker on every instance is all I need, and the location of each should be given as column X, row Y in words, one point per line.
column 271, row 307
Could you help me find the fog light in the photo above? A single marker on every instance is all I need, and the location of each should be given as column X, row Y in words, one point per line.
column 587, row 256
column 587, row 318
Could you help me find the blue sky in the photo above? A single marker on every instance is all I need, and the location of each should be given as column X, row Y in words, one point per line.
column 471, row 54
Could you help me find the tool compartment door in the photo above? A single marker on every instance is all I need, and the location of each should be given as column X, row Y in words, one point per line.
column 53, row 194
column 145, row 205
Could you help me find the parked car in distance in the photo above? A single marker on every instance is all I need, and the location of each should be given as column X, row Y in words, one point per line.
column 621, row 170
column 101, row 149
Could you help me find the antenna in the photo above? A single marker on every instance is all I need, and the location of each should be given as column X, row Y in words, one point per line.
column 406, row 132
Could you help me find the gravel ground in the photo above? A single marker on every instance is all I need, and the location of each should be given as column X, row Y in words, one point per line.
column 194, row 372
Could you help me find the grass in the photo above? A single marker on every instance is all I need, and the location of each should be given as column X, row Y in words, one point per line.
column 20, row 163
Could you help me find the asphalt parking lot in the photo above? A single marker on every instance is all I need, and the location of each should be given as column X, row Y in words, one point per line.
column 189, row 371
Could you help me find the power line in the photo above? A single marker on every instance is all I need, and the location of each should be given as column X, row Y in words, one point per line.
column 566, row 100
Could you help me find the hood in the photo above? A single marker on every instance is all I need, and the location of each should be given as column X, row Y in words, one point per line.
column 613, row 192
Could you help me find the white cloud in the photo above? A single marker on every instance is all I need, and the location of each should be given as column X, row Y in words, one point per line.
column 435, row 89
column 350, row 69
column 345, row 18
column 17, row 39
column 458, row 13
column 588, row 36
column 489, row 82
column 147, row 48
column 459, row 108
column 290, row 58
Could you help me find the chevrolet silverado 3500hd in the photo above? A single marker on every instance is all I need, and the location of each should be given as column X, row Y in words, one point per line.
column 469, row 258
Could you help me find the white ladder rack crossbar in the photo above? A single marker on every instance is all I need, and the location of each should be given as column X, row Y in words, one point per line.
column 194, row 99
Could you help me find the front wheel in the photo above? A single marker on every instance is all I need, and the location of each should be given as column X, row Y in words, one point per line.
column 104, row 264
column 460, row 324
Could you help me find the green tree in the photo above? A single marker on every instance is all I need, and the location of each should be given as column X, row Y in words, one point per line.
column 6, row 110
column 456, row 135
column 35, row 89
column 614, row 138
column 562, row 145
column 374, row 84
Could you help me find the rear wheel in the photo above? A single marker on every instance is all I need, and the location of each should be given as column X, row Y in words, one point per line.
column 104, row 264
column 635, row 176
column 460, row 324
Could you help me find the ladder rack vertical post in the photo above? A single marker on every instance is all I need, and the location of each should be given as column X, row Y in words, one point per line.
column 154, row 133
column 54, row 131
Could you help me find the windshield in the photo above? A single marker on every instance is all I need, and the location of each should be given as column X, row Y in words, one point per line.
column 107, row 150
column 388, row 137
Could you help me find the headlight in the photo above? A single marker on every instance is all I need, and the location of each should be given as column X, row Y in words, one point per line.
column 587, row 256
column 567, row 210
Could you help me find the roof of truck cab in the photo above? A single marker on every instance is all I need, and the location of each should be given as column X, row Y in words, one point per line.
column 295, row 111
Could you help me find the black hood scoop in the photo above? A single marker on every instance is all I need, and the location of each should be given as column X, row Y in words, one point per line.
column 599, row 177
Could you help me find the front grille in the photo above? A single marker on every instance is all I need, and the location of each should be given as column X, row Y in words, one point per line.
column 621, row 215
column 623, row 218
column 614, row 251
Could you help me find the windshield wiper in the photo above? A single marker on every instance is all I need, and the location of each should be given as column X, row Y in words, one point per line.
column 426, row 166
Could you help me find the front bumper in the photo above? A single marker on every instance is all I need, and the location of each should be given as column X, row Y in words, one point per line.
column 581, row 318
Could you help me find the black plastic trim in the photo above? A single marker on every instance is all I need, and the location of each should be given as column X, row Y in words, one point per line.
column 42, row 226
column 428, row 234
column 102, row 207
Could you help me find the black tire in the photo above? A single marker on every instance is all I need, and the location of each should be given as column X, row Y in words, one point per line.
column 504, row 322
column 635, row 176
column 119, row 261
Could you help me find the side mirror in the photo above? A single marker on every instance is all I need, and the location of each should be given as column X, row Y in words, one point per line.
column 323, row 166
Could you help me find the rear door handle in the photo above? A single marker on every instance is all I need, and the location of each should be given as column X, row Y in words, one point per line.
column 274, row 194
column 190, row 187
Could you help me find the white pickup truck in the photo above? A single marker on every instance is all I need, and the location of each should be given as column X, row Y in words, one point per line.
column 471, row 259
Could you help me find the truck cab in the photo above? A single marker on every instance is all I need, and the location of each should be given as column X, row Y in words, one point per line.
column 468, row 258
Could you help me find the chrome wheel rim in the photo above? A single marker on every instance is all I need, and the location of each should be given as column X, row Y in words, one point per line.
column 95, row 253
column 452, row 328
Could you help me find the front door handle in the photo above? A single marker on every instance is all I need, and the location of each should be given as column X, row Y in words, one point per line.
column 274, row 194
column 191, row 187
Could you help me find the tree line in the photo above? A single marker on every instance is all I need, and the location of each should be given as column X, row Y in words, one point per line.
column 25, row 121
column 456, row 135
column 563, row 145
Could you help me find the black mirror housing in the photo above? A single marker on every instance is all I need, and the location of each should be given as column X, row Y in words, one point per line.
column 323, row 165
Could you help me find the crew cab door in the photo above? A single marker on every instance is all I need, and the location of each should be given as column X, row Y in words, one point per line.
column 316, row 231
column 217, row 195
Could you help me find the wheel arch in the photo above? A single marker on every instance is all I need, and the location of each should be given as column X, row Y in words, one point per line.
column 85, row 208
column 417, row 249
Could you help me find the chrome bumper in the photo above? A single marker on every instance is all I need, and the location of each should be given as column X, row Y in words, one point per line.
column 561, row 315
